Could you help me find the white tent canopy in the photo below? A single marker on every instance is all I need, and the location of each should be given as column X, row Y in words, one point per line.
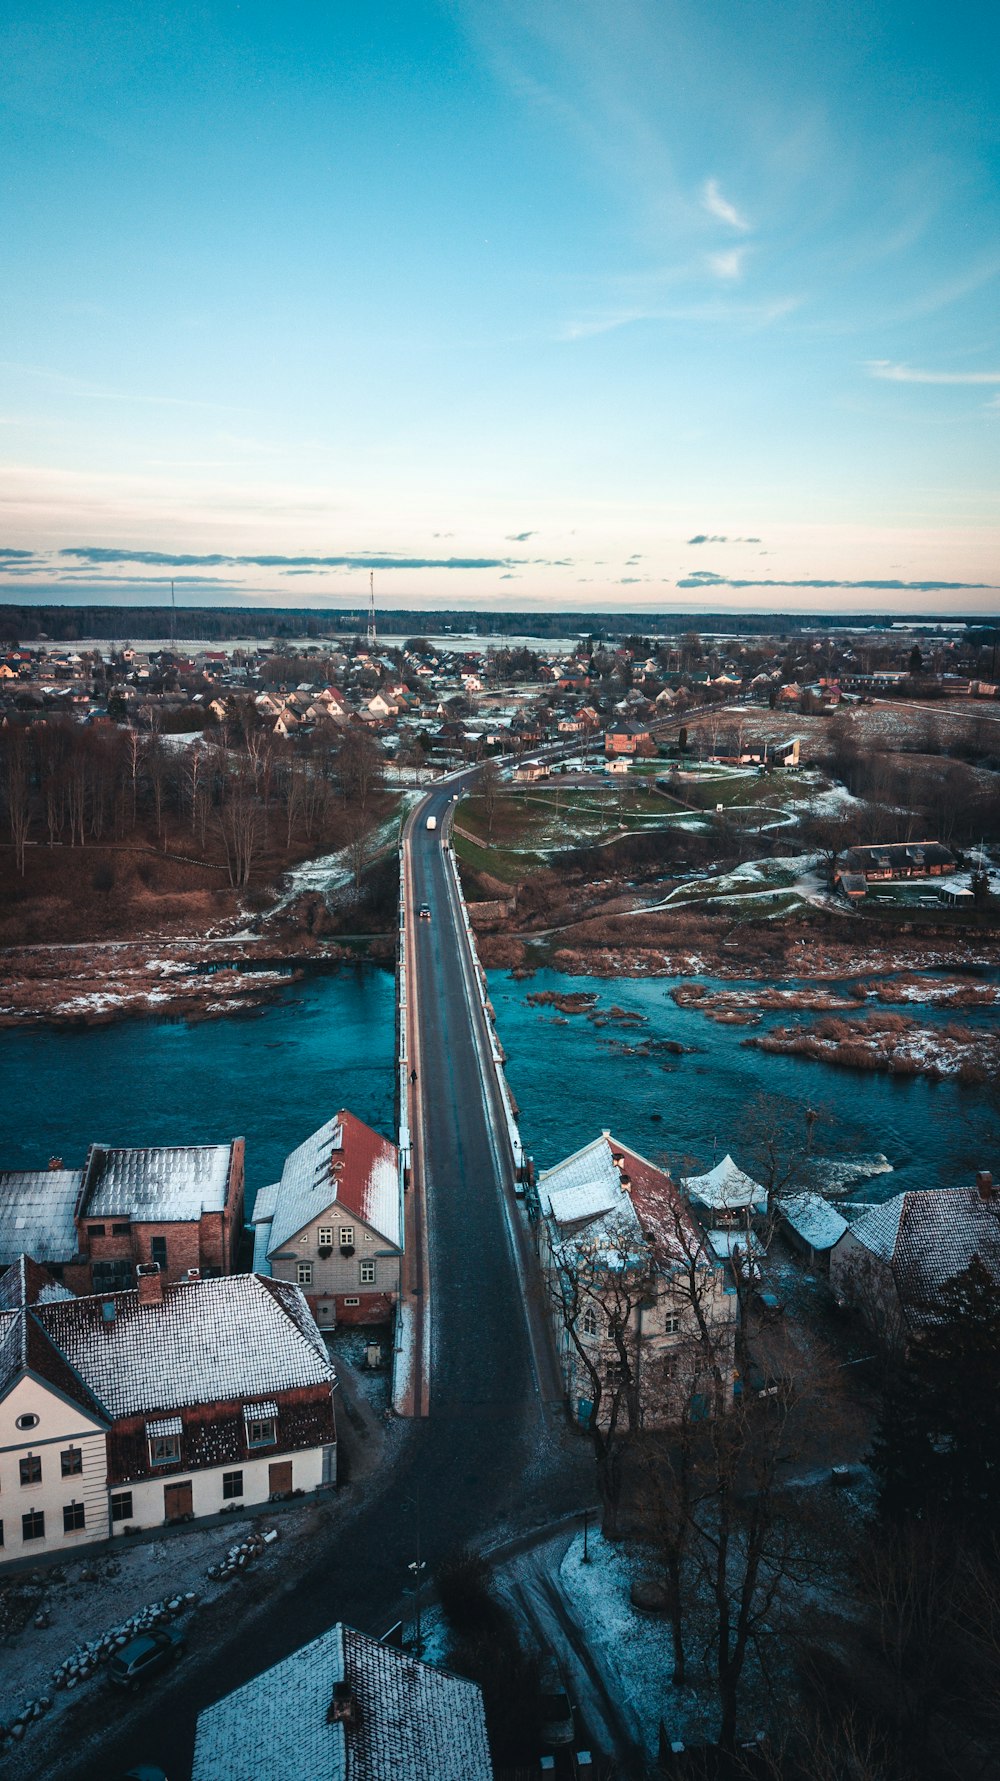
column 726, row 1189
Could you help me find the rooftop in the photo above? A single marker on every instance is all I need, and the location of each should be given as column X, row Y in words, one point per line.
column 927, row 1236
column 344, row 1164
column 414, row 1722
column 37, row 1208
column 726, row 1188
column 163, row 1184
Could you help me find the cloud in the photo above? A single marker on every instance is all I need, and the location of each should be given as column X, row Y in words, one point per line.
column 365, row 560
column 719, row 538
column 720, row 207
column 11, row 556
column 704, row 578
column 519, row 537
column 884, row 368
column 729, row 264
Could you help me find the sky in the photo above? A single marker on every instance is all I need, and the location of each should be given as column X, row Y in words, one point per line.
column 659, row 304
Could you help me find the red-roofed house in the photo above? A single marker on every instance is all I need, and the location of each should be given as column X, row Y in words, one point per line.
column 630, row 1273
column 333, row 1224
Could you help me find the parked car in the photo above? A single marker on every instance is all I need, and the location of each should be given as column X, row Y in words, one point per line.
column 557, row 1712
column 146, row 1655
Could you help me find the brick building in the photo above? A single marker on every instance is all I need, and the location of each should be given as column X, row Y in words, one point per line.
column 178, row 1206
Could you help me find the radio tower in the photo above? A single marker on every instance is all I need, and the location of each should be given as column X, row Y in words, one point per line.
column 370, row 639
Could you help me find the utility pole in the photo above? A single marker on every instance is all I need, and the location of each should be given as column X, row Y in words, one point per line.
column 173, row 617
column 371, row 610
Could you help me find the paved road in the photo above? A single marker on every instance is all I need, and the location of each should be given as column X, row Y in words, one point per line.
column 491, row 1454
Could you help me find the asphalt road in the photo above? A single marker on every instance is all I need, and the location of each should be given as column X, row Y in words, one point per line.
column 492, row 1455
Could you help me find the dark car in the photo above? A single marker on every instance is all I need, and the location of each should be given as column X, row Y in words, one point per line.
column 557, row 1712
column 145, row 1655
column 425, row 912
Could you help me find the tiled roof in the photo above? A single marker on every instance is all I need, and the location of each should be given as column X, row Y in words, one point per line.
column 344, row 1165
column 166, row 1183
column 414, row 1722
column 36, row 1213
column 726, row 1188
column 930, row 1235
column 209, row 1341
column 25, row 1345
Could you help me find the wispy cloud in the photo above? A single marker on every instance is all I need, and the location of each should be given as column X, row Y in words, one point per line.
column 364, row 560
column 729, row 264
column 892, row 373
column 519, row 537
column 721, row 208
column 704, row 578
column 719, row 538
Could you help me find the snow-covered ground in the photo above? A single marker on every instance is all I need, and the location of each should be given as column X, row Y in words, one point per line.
column 333, row 872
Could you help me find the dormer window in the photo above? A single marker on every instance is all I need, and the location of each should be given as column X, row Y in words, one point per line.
column 261, row 1424
column 164, row 1438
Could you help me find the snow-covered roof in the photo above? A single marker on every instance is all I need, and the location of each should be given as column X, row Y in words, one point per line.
column 36, row 1213
column 344, row 1165
column 726, row 1189
column 729, row 1243
column 878, row 1228
column 608, row 1185
column 813, row 1219
column 162, row 1184
column 584, row 1185
column 414, row 1722
column 208, row 1341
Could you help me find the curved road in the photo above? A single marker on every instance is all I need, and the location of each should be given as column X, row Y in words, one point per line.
column 489, row 1455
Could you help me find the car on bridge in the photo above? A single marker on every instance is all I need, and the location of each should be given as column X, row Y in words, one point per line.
column 425, row 912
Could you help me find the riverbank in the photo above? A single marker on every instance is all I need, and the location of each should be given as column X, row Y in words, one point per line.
column 896, row 1044
column 88, row 984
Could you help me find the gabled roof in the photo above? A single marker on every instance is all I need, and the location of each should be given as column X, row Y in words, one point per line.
column 37, row 1209
column 608, row 1183
column 208, row 1341
column 927, row 1236
column 414, row 1722
column 25, row 1345
column 168, row 1183
column 344, row 1165
column 726, row 1188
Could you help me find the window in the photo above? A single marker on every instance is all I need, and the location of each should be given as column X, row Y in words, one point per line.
column 351, row 1302
column 368, row 1236
column 346, row 1237
column 74, row 1517
column 613, row 1374
column 158, row 1252
column 304, row 1273
column 164, row 1450
column 324, row 1236
column 261, row 1432
column 671, row 1323
column 71, row 1460
column 121, row 1505
column 33, row 1525
column 670, row 1368
column 121, row 1230
column 31, row 1469
column 95, row 1230
column 588, row 1322
column 232, row 1485
column 28, row 1421
column 367, row 1273
column 113, row 1276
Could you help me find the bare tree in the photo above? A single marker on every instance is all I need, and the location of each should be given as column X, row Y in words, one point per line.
column 489, row 791
column 360, row 766
column 238, row 825
column 17, row 792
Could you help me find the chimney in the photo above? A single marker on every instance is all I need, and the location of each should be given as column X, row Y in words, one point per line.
column 984, row 1182
column 150, row 1283
column 192, row 1276
column 55, row 1162
column 343, row 1708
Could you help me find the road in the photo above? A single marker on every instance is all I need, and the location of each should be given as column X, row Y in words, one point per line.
column 490, row 1455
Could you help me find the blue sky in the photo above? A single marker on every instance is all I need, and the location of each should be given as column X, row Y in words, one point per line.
column 527, row 302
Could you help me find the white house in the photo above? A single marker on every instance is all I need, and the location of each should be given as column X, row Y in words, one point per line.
column 632, row 1283
column 130, row 1409
column 333, row 1224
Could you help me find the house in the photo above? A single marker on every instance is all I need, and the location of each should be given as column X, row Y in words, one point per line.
column 628, row 739
column 38, row 1217
column 893, row 1261
column 162, row 1403
column 726, row 1198
column 812, row 1226
column 346, row 1708
column 333, row 1224
column 628, row 1272
column 894, row 860
column 179, row 1206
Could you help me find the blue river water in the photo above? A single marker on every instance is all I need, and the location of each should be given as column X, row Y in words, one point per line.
column 274, row 1075
column 571, row 1078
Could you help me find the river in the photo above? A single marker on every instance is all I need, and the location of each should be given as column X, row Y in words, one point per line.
column 274, row 1075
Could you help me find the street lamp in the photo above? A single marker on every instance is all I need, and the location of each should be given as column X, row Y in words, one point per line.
column 586, row 1554
column 416, row 1568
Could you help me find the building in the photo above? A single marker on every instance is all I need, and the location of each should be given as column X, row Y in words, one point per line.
column 632, row 1286
column 895, row 860
column 163, row 1403
column 346, row 1708
column 333, row 1224
column 892, row 1263
column 180, row 1206
column 38, row 1217
column 726, row 1198
column 628, row 739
